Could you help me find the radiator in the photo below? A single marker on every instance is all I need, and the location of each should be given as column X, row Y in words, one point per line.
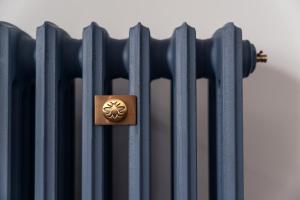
column 37, row 109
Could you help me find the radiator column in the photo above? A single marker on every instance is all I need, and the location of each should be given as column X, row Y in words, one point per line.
column 226, row 115
column 17, row 113
column 95, row 139
column 139, row 135
column 184, row 132
column 54, row 150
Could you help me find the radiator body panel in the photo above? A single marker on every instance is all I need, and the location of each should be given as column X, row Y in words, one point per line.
column 37, row 122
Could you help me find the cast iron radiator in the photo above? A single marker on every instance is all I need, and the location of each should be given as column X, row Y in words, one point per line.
column 37, row 109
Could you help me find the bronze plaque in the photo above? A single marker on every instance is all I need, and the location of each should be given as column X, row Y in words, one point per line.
column 115, row 110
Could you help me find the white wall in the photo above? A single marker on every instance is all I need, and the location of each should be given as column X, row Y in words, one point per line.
column 271, row 94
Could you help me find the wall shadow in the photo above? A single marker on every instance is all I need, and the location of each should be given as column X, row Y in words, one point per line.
column 272, row 134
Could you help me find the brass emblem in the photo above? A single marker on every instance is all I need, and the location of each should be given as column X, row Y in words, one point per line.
column 114, row 110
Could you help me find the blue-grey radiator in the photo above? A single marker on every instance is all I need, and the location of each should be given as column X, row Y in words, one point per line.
column 37, row 110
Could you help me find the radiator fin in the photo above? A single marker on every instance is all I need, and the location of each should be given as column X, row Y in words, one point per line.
column 139, row 135
column 225, row 108
column 184, row 113
column 54, row 166
column 95, row 139
column 17, row 113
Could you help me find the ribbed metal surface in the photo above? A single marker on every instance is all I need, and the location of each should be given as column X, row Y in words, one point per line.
column 54, row 138
column 226, row 120
column 139, row 135
column 45, row 69
column 17, row 114
column 95, row 170
column 184, row 141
